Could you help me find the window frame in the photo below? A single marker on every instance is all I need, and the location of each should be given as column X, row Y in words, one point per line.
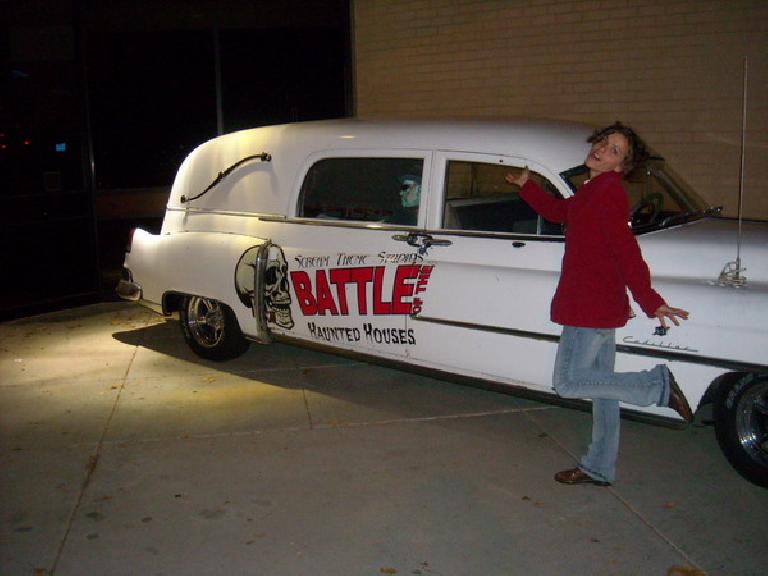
column 370, row 153
column 437, row 199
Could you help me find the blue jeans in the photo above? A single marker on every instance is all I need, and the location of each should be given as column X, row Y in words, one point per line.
column 584, row 368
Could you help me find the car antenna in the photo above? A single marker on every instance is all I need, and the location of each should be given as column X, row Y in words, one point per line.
column 731, row 273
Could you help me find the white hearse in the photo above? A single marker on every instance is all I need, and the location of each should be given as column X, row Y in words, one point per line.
column 402, row 241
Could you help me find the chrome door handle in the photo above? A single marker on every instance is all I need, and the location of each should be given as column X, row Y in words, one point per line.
column 421, row 241
column 410, row 239
column 437, row 242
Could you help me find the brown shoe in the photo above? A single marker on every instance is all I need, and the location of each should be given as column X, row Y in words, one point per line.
column 578, row 476
column 677, row 400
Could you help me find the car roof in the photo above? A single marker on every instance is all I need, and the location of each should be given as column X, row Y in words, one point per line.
column 553, row 145
column 558, row 145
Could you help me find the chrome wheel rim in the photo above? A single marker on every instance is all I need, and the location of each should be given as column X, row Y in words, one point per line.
column 205, row 321
column 752, row 422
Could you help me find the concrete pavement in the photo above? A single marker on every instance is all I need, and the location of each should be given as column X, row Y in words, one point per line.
column 121, row 453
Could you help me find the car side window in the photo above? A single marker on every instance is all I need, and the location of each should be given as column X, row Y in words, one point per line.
column 385, row 190
column 478, row 198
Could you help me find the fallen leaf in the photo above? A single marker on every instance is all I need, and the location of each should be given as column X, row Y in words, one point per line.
column 388, row 571
column 685, row 571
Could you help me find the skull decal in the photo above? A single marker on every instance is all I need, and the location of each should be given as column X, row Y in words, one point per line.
column 277, row 295
column 244, row 276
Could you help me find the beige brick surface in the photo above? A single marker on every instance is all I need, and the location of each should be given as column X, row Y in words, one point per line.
column 671, row 68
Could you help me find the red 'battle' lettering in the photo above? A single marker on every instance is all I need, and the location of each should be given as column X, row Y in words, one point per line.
column 361, row 276
column 324, row 297
column 379, row 306
column 339, row 278
column 402, row 289
column 302, row 287
column 409, row 280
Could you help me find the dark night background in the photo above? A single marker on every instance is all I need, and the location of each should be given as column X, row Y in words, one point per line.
column 101, row 101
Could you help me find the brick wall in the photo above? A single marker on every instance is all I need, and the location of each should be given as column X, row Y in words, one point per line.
column 671, row 68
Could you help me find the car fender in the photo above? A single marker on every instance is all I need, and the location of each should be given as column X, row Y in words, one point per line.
column 221, row 266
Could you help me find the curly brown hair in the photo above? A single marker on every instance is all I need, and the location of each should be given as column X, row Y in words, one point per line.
column 637, row 153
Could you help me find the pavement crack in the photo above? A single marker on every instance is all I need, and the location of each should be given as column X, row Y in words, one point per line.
column 306, row 406
column 632, row 510
column 93, row 461
column 418, row 419
column 624, row 502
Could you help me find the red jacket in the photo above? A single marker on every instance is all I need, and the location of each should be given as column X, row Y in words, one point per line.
column 601, row 258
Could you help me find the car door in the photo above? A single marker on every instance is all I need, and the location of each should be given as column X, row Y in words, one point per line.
column 495, row 268
column 348, row 278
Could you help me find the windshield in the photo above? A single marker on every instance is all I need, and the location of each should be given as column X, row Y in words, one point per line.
column 657, row 197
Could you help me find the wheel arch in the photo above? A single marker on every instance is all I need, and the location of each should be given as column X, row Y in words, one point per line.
column 741, row 423
column 720, row 385
column 172, row 301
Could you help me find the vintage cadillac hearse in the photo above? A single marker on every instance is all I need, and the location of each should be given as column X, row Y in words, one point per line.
column 403, row 242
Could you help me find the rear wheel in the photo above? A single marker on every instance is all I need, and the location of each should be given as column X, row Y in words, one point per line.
column 211, row 329
column 741, row 424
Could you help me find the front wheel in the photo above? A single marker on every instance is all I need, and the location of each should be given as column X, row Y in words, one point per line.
column 741, row 425
column 210, row 328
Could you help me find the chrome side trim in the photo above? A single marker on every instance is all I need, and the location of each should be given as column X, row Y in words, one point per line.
column 225, row 213
column 622, row 348
column 335, row 223
column 372, row 226
column 432, row 232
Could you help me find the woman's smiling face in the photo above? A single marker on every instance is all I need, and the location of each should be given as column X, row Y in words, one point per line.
column 607, row 155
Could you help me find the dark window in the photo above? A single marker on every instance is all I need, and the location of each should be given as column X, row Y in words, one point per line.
column 478, row 198
column 153, row 100
column 385, row 190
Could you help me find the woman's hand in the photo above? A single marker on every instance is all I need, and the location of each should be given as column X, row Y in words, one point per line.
column 664, row 312
column 520, row 179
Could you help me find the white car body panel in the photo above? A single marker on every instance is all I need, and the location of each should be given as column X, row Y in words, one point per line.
column 195, row 263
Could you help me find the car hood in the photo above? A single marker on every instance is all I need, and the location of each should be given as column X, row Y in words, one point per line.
column 701, row 249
